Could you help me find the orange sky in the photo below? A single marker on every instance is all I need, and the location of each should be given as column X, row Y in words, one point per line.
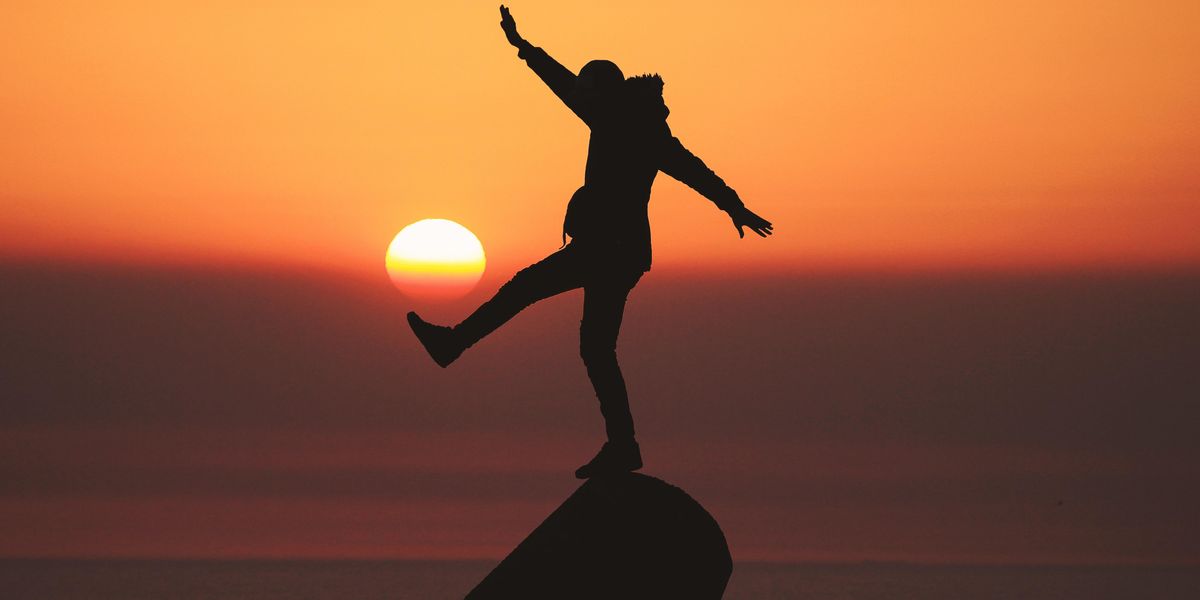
column 881, row 134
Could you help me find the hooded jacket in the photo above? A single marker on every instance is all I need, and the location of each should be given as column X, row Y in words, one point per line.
column 630, row 143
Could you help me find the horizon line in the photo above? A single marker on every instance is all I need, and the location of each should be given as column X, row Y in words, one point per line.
column 815, row 562
column 688, row 269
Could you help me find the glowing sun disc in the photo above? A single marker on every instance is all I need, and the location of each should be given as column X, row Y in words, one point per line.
column 435, row 258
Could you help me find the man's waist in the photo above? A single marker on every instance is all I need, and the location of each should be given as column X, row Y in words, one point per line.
column 626, row 192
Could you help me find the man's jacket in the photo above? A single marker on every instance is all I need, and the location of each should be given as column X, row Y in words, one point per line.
column 630, row 143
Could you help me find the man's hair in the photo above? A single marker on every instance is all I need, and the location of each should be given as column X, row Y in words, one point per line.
column 644, row 94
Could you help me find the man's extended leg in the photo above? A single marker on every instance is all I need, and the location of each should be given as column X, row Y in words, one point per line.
column 552, row 275
column 603, row 309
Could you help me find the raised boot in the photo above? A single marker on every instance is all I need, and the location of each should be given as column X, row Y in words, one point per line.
column 440, row 342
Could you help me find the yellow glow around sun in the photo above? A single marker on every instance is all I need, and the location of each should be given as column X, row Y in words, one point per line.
column 435, row 258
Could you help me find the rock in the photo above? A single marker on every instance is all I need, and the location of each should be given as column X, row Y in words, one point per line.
column 621, row 537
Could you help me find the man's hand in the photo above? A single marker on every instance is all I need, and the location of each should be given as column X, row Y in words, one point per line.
column 509, row 25
column 743, row 217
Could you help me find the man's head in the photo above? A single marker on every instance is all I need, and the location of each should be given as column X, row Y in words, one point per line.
column 597, row 79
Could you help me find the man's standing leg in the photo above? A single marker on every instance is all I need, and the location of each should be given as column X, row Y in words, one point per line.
column 603, row 309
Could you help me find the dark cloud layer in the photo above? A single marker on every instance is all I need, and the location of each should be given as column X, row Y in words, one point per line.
column 966, row 417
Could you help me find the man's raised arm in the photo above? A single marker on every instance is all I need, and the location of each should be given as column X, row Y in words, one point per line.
column 559, row 78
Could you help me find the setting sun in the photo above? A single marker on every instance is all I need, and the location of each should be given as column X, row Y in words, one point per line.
column 435, row 258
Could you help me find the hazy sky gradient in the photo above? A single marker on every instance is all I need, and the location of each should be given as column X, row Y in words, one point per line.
column 186, row 413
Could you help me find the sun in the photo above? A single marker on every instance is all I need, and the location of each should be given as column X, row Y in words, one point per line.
column 435, row 259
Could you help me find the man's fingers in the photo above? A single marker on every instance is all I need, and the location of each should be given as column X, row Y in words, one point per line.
column 756, row 224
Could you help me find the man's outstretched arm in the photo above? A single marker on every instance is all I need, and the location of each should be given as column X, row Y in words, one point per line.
column 681, row 164
column 559, row 78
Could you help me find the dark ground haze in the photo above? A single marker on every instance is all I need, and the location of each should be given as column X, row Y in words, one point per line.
column 1009, row 418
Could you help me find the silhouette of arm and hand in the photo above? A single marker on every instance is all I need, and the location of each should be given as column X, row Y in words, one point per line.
column 558, row 78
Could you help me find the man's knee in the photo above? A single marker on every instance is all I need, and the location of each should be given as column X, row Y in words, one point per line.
column 521, row 279
column 520, row 289
column 597, row 352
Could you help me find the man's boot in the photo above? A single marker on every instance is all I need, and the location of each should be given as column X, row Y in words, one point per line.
column 614, row 457
column 440, row 342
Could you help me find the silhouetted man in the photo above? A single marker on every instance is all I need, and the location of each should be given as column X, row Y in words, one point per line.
column 609, row 229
